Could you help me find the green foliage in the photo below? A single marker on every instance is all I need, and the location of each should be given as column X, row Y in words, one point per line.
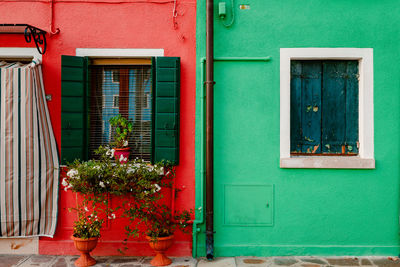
column 122, row 129
column 140, row 184
column 87, row 225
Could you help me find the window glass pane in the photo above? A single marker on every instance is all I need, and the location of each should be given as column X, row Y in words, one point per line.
column 124, row 90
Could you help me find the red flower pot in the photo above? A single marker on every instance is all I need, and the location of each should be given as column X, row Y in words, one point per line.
column 160, row 246
column 122, row 151
column 85, row 246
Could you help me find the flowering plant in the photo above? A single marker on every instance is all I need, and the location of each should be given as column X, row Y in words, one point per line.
column 87, row 225
column 141, row 185
column 122, row 128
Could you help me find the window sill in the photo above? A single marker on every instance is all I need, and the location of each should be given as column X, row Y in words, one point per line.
column 327, row 162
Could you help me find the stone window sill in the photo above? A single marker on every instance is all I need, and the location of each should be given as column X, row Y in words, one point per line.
column 327, row 162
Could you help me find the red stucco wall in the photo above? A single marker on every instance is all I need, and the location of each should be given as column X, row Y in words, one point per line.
column 113, row 24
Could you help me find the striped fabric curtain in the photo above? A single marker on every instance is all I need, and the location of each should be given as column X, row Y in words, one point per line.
column 29, row 165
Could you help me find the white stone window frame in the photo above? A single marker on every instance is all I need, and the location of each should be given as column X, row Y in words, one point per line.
column 20, row 52
column 365, row 158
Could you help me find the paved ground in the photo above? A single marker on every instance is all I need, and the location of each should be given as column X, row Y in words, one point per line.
column 68, row 261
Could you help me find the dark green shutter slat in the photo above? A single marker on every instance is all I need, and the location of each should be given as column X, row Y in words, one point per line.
column 352, row 107
column 310, row 105
column 166, row 84
column 334, row 107
column 296, row 141
column 166, row 121
column 74, row 91
column 334, row 97
column 306, row 106
column 167, row 89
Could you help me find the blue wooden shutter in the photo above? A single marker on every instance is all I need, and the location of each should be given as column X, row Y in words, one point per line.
column 340, row 107
column 324, row 107
column 305, row 120
column 166, row 84
column 74, row 108
column 351, row 145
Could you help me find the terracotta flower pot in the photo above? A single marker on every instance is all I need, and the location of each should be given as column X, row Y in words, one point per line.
column 122, row 151
column 162, row 244
column 85, row 246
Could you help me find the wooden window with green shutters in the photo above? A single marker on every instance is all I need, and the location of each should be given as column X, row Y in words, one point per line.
column 324, row 107
column 146, row 91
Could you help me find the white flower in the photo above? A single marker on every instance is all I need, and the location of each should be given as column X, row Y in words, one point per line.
column 157, row 187
column 64, row 182
column 86, row 209
column 110, row 153
column 67, row 187
column 96, row 167
column 131, row 170
column 101, row 184
column 112, row 216
column 122, row 158
column 72, row 173
column 161, row 171
column 150, row 168
column 125, row 143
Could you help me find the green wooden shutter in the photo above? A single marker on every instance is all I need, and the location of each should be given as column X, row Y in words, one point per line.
column 305, row 121
column 165, row 133
column 340, row 107
column 74, row 108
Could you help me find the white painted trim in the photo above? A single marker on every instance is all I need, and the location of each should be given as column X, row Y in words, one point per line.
column 327, row 162
column 119, row 52
column 20, row 52
column 366, row 103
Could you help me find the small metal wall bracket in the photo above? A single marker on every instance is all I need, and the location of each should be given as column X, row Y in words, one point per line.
column 30, row 32
column 38, row 36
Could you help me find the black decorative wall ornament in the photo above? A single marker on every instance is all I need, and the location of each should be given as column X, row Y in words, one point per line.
column 30, row 32
column 38, row 37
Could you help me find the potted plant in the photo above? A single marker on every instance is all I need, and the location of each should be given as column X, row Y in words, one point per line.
column 91, row 205
column 159, row 223
column 160, row 231
column 85, row 236
column 142, row 187
column 122, row 128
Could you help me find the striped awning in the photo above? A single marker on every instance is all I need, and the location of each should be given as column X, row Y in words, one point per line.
column 29, row 165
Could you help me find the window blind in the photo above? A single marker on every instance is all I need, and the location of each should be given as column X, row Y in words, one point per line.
column 125, row 90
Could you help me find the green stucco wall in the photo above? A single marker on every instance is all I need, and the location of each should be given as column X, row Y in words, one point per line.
column 311, row 211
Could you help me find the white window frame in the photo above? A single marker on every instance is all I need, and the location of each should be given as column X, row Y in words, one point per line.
column 365, row 158
column 19, row 52
column 119, row 52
